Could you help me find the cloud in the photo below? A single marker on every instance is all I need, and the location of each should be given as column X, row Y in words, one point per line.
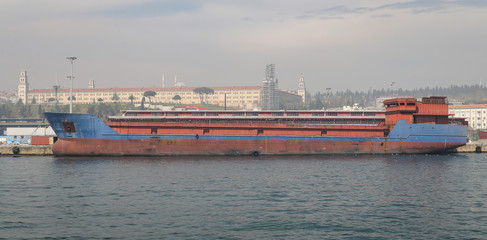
column 415, row 7
column 426, row 6
column 382, row 15
column 151, row 8
column 334, row 43
column 344, row 10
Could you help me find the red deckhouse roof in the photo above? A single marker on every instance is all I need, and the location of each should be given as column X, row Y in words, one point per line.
column 160, row 89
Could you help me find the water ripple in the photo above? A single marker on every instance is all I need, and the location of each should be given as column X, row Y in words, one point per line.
column 331, row 197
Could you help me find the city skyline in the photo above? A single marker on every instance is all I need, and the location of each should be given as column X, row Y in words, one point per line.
column 357, row 45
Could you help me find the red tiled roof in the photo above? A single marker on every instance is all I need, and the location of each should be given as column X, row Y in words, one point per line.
column 468, row 106
column 193, row 107
column 143, row 89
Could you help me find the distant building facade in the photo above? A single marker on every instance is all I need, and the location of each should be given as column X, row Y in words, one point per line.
column 475, row 114
column 242, row 97
column 245, row 97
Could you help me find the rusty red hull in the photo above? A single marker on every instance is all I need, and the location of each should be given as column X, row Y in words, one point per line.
column 170, row 147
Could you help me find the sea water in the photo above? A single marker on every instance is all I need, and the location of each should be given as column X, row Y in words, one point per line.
column 292, row 197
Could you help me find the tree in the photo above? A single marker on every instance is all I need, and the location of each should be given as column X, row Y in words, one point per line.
column 131, row 98
column 20, row 102
column 316, row 104
column 5, row 112
column 40, row 111
column 149, row 94
column 51, row 100
column 142, row 103
column 176, row 98
column 91, row 109
column 23, row 111
column 100, row 100
column 101, row 110
column 74, row 98
column 34, row 100
column 203, row 91
column 115, row 97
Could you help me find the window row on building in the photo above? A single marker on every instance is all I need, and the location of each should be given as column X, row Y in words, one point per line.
column 475, row 114
column 242, row 97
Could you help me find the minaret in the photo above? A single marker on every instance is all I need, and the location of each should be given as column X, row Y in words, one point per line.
column 302, row 88
column 175, row 80
column 23, row 88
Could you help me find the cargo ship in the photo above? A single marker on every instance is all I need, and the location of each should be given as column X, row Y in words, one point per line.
column 407, row 126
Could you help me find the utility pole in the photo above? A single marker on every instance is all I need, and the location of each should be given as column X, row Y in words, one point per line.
column 71, row 89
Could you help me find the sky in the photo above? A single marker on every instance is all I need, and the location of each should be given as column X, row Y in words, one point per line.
column 338, row 44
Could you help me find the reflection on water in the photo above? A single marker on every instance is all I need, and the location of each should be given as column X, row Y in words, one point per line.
column 311, row 197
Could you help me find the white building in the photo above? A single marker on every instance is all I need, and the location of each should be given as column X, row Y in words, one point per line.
column 475, row 114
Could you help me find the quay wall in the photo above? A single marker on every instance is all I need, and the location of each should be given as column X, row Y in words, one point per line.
column 471, row 148
column 7, row 150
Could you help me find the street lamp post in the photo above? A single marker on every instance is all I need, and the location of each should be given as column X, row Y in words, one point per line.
column 71, row 89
